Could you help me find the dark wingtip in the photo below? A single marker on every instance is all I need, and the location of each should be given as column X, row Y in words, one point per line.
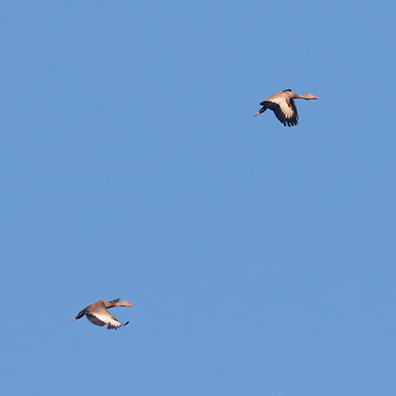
column 126, row 323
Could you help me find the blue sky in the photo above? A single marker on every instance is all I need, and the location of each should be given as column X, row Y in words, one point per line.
column 260, row 259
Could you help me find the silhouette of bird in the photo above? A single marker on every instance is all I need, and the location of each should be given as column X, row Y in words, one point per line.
column 284, row 107
column 98, row 314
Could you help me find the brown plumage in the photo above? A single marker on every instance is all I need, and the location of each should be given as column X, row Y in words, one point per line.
column 284, row 107
column 98, row 314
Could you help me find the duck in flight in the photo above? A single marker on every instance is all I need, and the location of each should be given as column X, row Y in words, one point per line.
column 98, row 314
column 284, row 107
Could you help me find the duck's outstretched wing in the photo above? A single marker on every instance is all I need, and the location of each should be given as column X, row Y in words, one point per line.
column 102, row 316
column 285, row 110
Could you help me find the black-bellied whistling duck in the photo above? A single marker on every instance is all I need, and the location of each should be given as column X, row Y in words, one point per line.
column 282, row 104
column 98, row 314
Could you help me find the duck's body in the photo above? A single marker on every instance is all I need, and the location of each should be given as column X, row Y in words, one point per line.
column 284, row 107
column 98, row 314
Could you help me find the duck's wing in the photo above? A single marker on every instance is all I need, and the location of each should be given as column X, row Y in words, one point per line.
column 284, row 108
column 102, row 316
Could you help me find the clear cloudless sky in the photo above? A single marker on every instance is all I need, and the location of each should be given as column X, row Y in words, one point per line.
column 260, row 259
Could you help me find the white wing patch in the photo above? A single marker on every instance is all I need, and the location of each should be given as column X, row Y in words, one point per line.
column 285, row 107
column 106, row 317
